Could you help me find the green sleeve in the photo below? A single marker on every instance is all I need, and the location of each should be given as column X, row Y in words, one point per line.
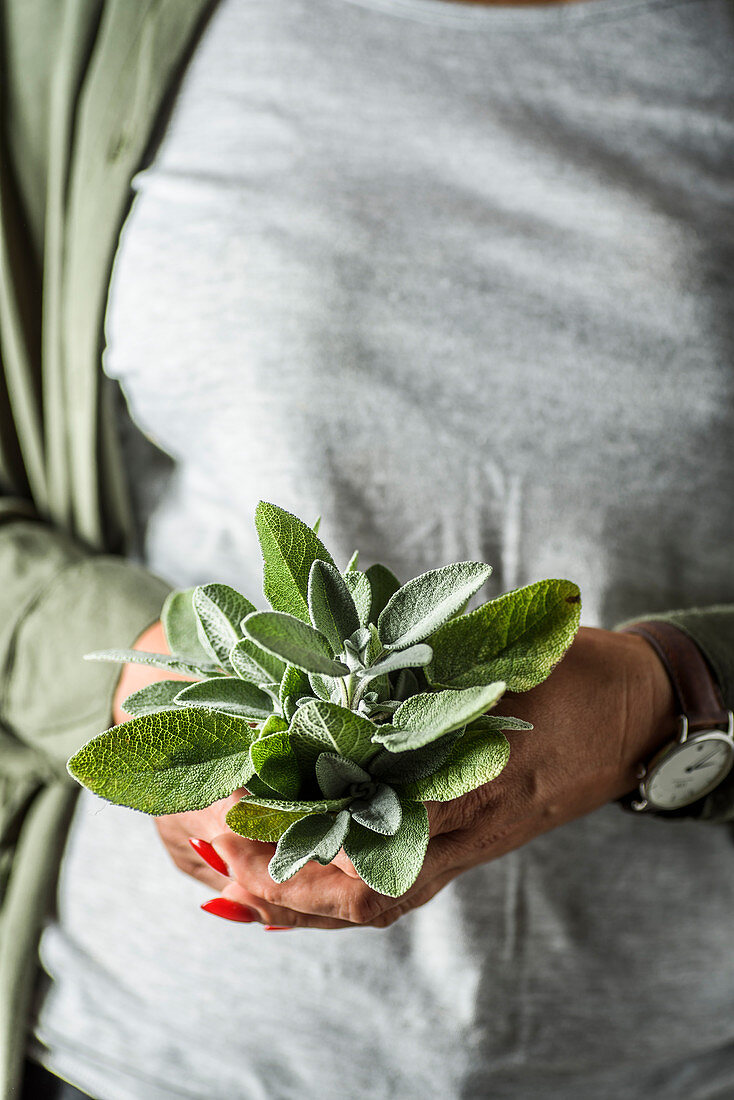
column 712, row 629
column 57, row 602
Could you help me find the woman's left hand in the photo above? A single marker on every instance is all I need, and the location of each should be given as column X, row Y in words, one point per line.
column 607, row 706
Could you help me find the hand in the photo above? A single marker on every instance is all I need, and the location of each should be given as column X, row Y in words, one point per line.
column 134, row 677
column 605, row 708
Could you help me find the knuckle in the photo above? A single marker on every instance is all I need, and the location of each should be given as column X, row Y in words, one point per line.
column 365, row 907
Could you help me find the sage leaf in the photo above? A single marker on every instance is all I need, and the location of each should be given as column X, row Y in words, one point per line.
column 406, row 767
column 488, row 723
column 390, row 864
column 445, row 711
column 383, row 585
column 276, row 764
column 260, row 789
column 289, row 549
column 478, row 757
column 227, row 693
column 331, row 606
column 260, row 822
column 323, row 686
column 424, row 604
column 313, row 806
column 336, row 774
column 381, row 811
column 320, row 726
column 157, row 660
column 181, row 627
column 413, row 657
column 316, row 837
column 295, row 683
column 250, row 662
column 359, row 588
column 293, row 641
column 220, row 610
column 519, row 638
column 274, row 724
column 169, row 762
column 352, row 563
column 152, row 698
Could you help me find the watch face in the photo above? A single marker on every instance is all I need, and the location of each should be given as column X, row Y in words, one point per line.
column 689, row 771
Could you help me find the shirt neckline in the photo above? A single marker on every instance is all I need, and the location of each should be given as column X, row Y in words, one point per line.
column 498, row 17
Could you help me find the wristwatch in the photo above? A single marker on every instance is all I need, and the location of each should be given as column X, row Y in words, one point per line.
column 701, row 756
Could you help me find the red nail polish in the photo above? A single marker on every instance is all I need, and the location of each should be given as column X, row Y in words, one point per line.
column 209, row 855
column 277, row 928
column 230, row 910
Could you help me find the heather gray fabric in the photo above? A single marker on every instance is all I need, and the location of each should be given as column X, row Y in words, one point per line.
column 460, row 280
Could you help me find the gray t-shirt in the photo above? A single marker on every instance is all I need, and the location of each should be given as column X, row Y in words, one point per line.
column 459, row 279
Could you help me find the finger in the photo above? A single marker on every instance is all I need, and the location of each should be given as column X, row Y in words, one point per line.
column 278, row 915
column 314, row 890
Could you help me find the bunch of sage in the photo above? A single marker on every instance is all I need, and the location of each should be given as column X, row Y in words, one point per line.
column 342, row 709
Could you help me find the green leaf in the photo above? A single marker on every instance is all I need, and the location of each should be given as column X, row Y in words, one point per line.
column 326, row 727
column 157, row 660
column 413, row 657
column 260, row 789
column 220, row 610
column 181, row 627
column 381, row 812
column 359, row 588
column 318, row 837
column 169, row 762
column 478, row 757
column 250, row 662
column 293, row 806
column 331, row 605
column 423, row 718
column 294, row 684
column 322, row 686
column 488, row 723
column 352, row 563
column 390, row 864
column 275, row 762
column 227, row 693
column 152, row 698
column 293, row 641
column 383, row 585
column 274, row 724
column 289, row 550
column 518, row 638
column 264, row 823
column 336, row 774
column 406, row 767
column 422, row 605
column 316, row 525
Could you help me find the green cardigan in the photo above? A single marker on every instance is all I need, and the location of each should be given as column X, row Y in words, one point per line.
column 87, row 87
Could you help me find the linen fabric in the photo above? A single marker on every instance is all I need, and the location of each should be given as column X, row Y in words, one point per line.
column 457, row 280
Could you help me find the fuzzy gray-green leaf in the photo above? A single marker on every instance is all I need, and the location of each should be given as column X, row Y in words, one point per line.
column 157, row 660
column 383, row 585
column 220, row 610
column 331, row 606
column 361, row 593
column 261, row 822
column 336, row 774
column 289, row 550
column 316, row 837
column 390, row 864
column 168, row 762
column 424, row 718
column 250, row 662
column 414, row 656
column 153, row 697
column 326, row 727
column 275, row 762
column 424, row 604
column 518, row 638
column 227, row 693
column 181, row 627
column 293, row 641
column 381, row 812
column 406, row 767
column 478, row 757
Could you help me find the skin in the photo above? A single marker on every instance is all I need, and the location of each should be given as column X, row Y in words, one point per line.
column 607, row 706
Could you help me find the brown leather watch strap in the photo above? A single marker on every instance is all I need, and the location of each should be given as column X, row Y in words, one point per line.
column 696, row 689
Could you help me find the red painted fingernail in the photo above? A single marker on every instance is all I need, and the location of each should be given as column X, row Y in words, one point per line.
column 277, row 928
column 230, row 910
column 209, row 854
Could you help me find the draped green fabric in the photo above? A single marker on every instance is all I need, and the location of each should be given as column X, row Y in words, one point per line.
column 86, row 86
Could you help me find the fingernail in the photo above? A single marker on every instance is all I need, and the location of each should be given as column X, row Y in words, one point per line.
column 209, row 854
column 277, row 928
column 230, row 910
